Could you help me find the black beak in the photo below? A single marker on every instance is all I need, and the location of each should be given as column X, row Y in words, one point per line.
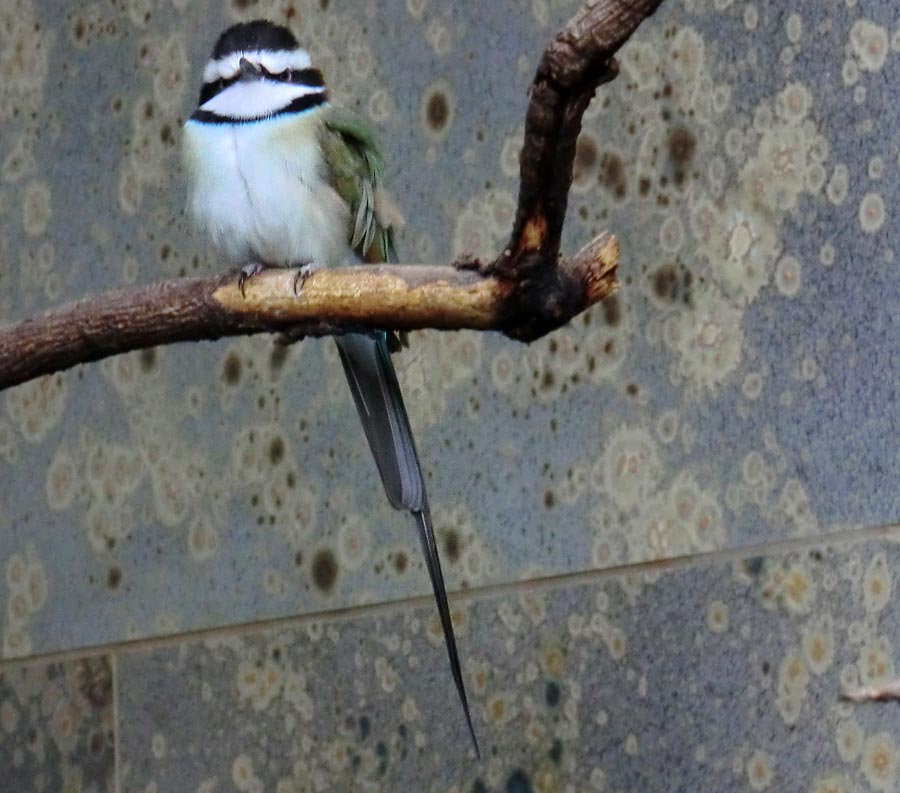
column 249, row 70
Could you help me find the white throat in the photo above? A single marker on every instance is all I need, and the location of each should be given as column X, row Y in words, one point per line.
column 248, row 99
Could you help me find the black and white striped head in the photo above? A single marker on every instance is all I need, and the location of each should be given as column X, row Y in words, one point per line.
column 258, row 70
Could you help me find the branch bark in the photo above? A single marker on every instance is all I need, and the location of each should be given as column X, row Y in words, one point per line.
column 400, row 297
column 525, row 292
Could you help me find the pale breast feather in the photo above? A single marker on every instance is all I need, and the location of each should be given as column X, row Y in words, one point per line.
column 260, row 192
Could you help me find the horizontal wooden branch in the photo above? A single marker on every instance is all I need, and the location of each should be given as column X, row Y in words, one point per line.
column 400, row 297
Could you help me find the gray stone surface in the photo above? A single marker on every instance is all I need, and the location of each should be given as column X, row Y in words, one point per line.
column 57, row 727
column 718, row 676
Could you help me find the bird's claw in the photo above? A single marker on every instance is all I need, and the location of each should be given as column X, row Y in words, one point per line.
column 303, row 272
column 246, row 273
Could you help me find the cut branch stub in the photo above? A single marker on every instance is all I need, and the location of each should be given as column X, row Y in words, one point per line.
column 548, row 298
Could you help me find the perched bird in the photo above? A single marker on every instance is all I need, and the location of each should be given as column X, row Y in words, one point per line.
column 279, row 177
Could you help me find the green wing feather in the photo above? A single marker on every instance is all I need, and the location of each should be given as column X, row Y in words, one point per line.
column 356, row 171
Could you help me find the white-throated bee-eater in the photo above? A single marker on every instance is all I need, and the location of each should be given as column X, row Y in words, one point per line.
column 280, row 177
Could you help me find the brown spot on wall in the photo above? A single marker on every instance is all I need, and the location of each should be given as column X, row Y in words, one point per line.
column 276, row 450
column 231, row 372
column 612, row 174
column 277, row 357
column 437, row 111
column 665, row 283
column 452, row 545
column 96, row 744
column 113, row 577
column 148, row 359
column 401, row 562
column 325, row 570
column 682, row 145
column 671, row 283
column 612, row 310
column 586, row 155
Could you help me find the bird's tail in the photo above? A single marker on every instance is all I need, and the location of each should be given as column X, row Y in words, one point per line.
column 373, row 383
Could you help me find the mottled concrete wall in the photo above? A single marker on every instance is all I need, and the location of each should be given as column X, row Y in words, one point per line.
column 738, row 390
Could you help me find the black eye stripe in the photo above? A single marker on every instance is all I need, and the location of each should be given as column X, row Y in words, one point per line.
column 209, row 90
column 310, row 77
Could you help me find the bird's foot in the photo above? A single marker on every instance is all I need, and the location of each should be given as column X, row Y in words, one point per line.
column 247, row 272
column 304, row 272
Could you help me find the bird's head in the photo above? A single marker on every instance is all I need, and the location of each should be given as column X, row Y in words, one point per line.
column 258, row 70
